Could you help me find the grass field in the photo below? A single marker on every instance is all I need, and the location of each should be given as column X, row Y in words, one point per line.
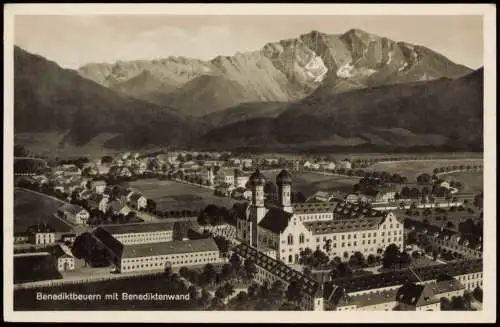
column 31, row 208
column 35, row 268
column 308, row 183
column 411, row 169
column 472, row 180
column 171, row 195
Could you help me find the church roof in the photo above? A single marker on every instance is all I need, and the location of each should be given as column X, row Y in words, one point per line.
column 284, row 177
column 258, row 178
column 276, row 220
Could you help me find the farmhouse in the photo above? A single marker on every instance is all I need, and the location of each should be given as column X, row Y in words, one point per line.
column 97, row 201
column 74, row 214
column 98, row 186
column 118, row 208
column 137, row 200
column 41, row 234
column 141, row 233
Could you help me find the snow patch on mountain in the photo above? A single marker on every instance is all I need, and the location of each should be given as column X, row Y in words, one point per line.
column 316, row 69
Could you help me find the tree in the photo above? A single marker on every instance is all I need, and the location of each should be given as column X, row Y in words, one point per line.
column 424, row 178
column 184, row 272
column 235, row 261
column 276, row 291
column 298, row 197
column 193, row 293
column 405, row 192
column 458, row 303
column 370, row 259
column 415, row 255
column 293, row 293
column 250, row 268
column 227, row 272
column 307, row 271
column 478, row 294
column 209, row 274
column 150, row 205
column 391, row 256
column 20, row 151
column 445, row 304
column 357, row 259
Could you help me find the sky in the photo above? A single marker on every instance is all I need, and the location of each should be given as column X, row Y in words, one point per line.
column 73, row 41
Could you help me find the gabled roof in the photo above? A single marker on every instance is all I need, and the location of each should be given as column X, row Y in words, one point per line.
column 314, row 207
column 138, row 228
column 72, row 209
column 166, row 248
column 276, row 220
column 416, row 295
column 341, row 226
column 308, row 285
column 135, row 197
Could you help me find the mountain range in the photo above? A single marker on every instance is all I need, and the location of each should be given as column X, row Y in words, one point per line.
column 318, row 89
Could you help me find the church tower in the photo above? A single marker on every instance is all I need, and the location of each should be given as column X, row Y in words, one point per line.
column 257, row 210
column 284, row 183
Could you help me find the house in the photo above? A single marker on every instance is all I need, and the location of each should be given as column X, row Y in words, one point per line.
column 65, row 258
column 70, row 170
column 125, row 172
column 73, row 213
column 224, row 190
column 98, row 186
column 224, row 176
column 321, row 196
column 240, row 179
column 41, row 234
column 97, row 201
column 104, row 169
column 118, row 208
column 345, row 164
column 325, row 165
column 137, row 201
column 41, row 179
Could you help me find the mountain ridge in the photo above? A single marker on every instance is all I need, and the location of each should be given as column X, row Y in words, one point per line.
column 287, row 70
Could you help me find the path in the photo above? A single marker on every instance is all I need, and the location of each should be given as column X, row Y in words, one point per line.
column 332, row 174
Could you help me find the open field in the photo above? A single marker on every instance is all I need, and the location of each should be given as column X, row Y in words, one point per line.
column 35, row 268
column 171, row 195
column 411, row 169
column 472, row 180
column 442, row 219
column 32, row 208
column 308, row 182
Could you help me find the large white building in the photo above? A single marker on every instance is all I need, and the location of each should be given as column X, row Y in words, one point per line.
column 290, row 228
column 161, row 255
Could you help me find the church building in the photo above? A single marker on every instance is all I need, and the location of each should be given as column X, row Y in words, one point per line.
column 285, row 229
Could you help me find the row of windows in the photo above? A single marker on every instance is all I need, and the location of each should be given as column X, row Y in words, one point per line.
column 170, row 257
column 161, row 264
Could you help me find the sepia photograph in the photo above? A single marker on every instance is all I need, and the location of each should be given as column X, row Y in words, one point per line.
column 314, row 163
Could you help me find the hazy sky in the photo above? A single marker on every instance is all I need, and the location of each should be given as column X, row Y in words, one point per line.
column 73, row 41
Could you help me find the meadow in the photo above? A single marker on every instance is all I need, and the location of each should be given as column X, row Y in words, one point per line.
column 309, row 183
column 411, row 169
column 472, row 180
column 170, row 195
column 32, row 208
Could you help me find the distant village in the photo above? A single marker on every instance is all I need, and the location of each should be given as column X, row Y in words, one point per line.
column 379, row 246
